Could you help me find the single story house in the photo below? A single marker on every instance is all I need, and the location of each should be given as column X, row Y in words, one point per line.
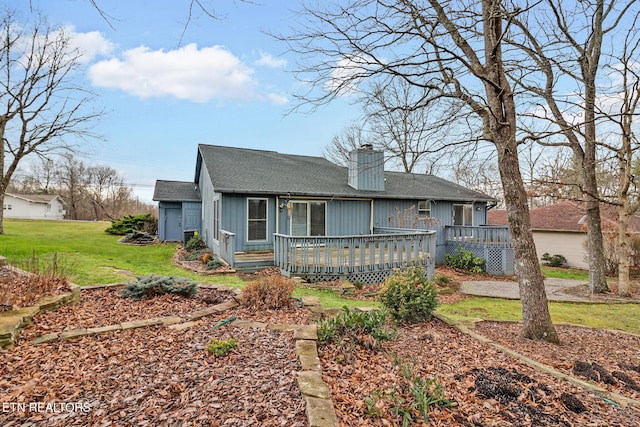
column 313, row 218
column 33, row 206
column 562, row 229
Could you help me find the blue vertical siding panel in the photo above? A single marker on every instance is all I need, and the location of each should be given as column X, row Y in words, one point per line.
column 234, row 219
column 192, row 216
column 207, row 194
column 348, row 217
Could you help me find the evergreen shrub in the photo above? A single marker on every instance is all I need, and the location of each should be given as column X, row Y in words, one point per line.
column 153, row 285
column 409, row 296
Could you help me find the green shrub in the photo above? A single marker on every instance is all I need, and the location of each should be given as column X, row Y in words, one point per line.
column 353, row 325
column 221, row 347
column 195, row 244
column 556, row 260
column 272, row 292
column 131, row 223
column 214, row 263
column 409, row 296
column 465, row 260
column 158, row 285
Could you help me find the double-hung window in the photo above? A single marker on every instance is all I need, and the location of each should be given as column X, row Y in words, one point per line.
column 257, row 220
column 424, row 209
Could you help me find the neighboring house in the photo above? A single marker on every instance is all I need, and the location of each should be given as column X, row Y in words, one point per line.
column 33, row 206
column 336, row 220
column 562, row 229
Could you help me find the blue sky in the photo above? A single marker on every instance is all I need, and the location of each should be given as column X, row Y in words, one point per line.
column 222, row 82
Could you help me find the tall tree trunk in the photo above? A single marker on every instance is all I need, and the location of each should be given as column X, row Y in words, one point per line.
column 500, row 124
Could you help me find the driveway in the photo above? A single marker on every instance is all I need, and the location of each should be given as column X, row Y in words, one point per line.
column 556, row 290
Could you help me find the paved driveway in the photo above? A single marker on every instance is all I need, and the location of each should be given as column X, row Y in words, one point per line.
column 555, row 290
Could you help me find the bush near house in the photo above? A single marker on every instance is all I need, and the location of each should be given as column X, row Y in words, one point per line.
column 271, row 292
column 131, row 223
column 555, row 260
column 465, row 260
column 409, row 296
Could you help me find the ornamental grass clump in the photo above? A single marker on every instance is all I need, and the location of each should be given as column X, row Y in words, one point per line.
column 271, row 292
column 409, row 296
column 153, row 285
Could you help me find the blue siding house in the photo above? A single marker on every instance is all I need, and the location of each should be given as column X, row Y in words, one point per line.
column 313, row 218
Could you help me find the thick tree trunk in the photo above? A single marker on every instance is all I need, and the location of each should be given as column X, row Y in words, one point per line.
column 500, row 126
column 536, row 319
column 597, row 276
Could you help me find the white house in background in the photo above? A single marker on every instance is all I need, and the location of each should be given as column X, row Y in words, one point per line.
column 33, row 206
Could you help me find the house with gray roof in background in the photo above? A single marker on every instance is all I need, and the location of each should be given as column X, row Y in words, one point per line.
column 33, row 206
column 313, row 218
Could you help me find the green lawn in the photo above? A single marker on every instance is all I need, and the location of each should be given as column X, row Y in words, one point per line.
column 622, row 317
column 92, row 256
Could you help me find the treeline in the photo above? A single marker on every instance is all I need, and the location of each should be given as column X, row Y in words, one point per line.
column 95, row 192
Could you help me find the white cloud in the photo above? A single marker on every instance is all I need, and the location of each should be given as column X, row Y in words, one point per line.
column 90, row 45
column 190, row 73
column 267, row 60
column 346, row 75
column 274, row 98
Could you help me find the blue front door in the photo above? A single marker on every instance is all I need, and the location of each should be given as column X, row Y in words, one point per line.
column 173, row 224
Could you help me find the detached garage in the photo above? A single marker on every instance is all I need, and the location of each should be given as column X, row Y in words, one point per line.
column 179, row 210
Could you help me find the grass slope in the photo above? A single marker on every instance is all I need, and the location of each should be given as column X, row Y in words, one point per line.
column 91, row 256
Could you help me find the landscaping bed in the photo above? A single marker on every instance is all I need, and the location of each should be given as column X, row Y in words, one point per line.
column 485, row 386
column 105, row 306
column 607, row 359
column 157, row 376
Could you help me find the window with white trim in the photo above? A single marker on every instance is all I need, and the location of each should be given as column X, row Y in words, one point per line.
column 424, row 209
column 462, row 214
column 257, row 220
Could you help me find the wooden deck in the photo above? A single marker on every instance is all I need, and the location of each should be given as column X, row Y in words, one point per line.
column 366, row 258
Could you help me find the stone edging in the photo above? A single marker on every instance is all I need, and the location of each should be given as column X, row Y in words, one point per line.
column 13, row 321
column 319, row 407
column 616, row 397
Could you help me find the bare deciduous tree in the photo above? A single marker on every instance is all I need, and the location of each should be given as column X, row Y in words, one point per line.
column 563, row 42
column 41, row 110
column 453, row 50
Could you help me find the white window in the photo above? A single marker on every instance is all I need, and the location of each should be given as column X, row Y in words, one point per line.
column 424, row 209
column 257, row 220
column 462, row 214
column 216, row 217
column 48, row 207
column 309, row 219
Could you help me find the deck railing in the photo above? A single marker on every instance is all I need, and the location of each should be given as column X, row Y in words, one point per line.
column 359, row 257
column 228, row 247
column 492, row 243
column 491, row 236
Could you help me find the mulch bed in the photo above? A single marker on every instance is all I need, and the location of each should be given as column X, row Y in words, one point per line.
column 23, row 290
column 487, row 387
column 606, row 358
column 157, row 376
column 105, row 306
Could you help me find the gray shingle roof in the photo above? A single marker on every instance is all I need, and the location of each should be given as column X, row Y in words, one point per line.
column 176, row 191
column 240, row 170
column 36, row 198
